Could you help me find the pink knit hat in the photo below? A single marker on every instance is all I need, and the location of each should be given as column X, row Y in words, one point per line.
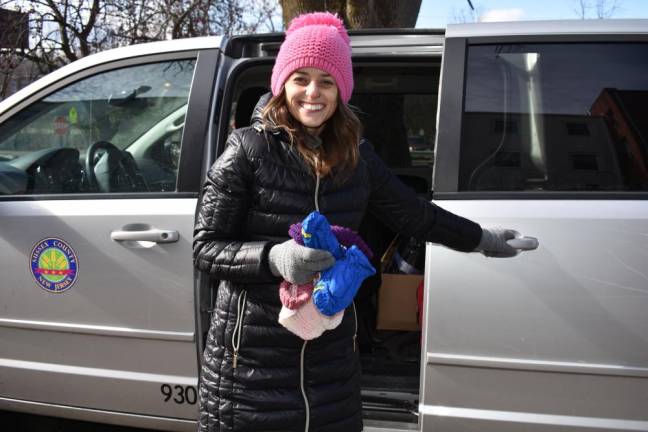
column 317, row 40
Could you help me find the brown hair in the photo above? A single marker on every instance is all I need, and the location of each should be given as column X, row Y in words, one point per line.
column 340, row 137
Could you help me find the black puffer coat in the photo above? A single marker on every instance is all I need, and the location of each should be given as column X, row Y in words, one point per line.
column 256, row 375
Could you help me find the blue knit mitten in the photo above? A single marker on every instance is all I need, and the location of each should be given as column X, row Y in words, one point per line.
column 317, row 234
column 338, row 285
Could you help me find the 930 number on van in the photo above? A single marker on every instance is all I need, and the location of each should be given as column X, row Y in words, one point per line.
column 179, row 394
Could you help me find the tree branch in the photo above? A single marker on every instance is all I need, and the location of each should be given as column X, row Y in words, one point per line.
column 62, row 24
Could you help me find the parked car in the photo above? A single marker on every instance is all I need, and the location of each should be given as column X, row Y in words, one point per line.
column 540, row 126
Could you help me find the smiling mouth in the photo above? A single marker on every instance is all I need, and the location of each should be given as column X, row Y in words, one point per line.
column 312, row 107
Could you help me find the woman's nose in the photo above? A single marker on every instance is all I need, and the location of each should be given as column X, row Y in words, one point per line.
column 312, row 90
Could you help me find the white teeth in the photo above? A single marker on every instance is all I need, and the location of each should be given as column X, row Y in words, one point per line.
column 312, row 107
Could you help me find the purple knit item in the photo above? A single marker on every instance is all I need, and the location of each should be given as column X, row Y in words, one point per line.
column 293, row 296
column 317, row 40
column 346, row 236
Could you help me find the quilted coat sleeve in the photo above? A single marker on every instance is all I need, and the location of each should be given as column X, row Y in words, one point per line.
column 219, row 248
column 403, row 211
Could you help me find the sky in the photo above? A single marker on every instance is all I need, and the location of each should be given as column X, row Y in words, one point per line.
column 438, row 13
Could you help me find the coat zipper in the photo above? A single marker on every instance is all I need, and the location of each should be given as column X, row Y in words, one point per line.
column 238, row 327
column 303, row 350
column 303, row 388
column 355, row 333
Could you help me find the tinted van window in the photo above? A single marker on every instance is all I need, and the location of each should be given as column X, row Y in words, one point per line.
column 397, row 106
column 555, row 117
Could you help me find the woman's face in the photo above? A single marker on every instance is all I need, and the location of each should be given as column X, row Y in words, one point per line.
column 312, row 97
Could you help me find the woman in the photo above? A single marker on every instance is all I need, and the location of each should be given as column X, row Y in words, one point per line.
column 303, row 152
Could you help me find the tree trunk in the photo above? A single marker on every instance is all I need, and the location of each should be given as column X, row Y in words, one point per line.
column 359, row 13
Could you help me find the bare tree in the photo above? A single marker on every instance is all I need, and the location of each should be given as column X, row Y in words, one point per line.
column 62, row 31
column 359, row 13
column 189, row 18
column 581, row 8
column 466, row 15
column 266, row 14
column 607, row 8
column 145, row 20
column 14, row 38
column 600, row 9
column 136, row 21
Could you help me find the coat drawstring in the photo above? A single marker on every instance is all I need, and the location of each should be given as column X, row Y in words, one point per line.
column 238, row 327
column 317, row 185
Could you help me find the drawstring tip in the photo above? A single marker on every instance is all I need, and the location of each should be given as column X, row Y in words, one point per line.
column 235, row 361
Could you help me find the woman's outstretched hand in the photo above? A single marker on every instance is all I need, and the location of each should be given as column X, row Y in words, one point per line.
column 494, row 243
column 296, row 263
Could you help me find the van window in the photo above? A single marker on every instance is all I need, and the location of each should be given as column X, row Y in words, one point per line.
column 555, row 117
column 116, row 131
column 397, row 105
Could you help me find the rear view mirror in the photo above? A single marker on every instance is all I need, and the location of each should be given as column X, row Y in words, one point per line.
column 124, row 97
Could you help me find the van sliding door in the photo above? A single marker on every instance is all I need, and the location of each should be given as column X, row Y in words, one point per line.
column 543, row 128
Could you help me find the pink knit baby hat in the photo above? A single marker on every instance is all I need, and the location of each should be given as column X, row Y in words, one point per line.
column 307, row 321
column 317, row 40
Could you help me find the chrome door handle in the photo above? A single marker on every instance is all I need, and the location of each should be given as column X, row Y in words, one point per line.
column 524, row 243
column 150, row 235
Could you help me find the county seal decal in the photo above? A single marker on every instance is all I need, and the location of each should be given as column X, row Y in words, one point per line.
column 54, row 265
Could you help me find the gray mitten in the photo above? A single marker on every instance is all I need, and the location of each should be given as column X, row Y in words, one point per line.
column 296, row 263
column 493, row 242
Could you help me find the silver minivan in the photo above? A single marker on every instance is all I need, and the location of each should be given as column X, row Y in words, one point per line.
column 539, row 126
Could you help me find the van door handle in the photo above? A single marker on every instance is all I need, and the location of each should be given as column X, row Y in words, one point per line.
column 524, row 243
column 150, row 235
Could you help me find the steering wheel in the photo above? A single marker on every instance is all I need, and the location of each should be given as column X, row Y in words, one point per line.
column 113, row 171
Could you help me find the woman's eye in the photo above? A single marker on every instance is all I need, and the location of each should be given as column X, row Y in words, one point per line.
column 299, row 80
column 327, row 83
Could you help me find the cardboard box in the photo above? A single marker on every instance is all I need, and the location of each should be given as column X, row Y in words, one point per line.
column 397, row 304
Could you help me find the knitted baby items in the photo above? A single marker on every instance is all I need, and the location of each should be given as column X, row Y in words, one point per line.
column 292, row 295
column 338, row 285
column 317, row 40
column 300, row 313
column 317, row 234
column 347, row 237
column 307, row 322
